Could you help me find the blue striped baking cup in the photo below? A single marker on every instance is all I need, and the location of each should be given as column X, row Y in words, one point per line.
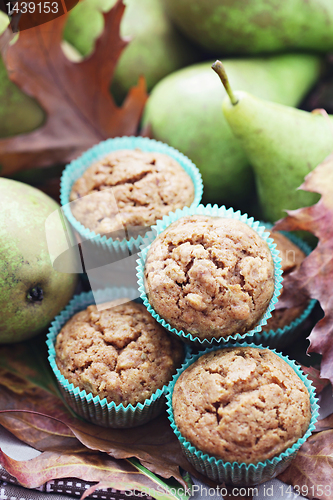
column 236, row 473
column 96, row 410
column 213, row 211
column 283, row 337
column 77, row 167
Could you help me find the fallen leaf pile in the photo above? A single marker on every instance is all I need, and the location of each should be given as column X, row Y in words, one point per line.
column 75, row 96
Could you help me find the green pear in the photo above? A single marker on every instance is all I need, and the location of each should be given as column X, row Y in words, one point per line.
column 182, row 111
column 283, row 145
column 32, row 292
column 19, row 113
column 155, row 50
column 255, row 26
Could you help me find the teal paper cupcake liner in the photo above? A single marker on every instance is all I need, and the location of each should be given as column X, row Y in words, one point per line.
column 282, row 337
column 234, row 473
column 94, row 409
column 215, row 211
column 77, row 167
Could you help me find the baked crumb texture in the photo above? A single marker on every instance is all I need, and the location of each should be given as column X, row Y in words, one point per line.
column 292, row 257
column 121, row 353
column 209, row 276
column 241, row 404
column 130, row 188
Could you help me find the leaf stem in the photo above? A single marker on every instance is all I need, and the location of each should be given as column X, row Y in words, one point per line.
column 220, row 70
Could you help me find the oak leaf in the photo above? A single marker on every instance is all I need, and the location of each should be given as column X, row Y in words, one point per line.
column 75, row 95
column 314, row 278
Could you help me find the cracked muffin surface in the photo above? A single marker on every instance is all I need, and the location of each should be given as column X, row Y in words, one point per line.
column 120, row 353
column 292, row 257
column 241, row 404
column 209, row 276
column 129, row 189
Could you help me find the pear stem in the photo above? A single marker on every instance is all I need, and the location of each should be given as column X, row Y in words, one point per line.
column 220, row 70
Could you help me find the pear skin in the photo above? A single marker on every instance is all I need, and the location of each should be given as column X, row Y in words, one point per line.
column 183, row 111
column 283, row 145
column 32, row 292
column 255, row 26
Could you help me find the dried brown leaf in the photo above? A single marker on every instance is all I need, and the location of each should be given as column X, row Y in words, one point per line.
column 314, row 278
column 80, row 109
column 154, row 444
column 40, row 432
column 311, row 472
column 90, row 467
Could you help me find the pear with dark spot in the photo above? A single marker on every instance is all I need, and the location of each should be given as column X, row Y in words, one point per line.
column 32, row 292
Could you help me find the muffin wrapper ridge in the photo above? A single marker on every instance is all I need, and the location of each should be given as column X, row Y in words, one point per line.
column 77, row 167
column 214, row 211
column 235, row 473
column 94, row 409
column 282, row 337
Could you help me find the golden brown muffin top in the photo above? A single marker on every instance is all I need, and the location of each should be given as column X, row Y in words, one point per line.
column 241, row 404
column 209, row 276
column 120, row 353
column 128, row 189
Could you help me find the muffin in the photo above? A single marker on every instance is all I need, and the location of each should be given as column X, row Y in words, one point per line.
column 128, row 190
column 292, row 256
column 209, row 276
column 241, row 404
column 120, row 353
